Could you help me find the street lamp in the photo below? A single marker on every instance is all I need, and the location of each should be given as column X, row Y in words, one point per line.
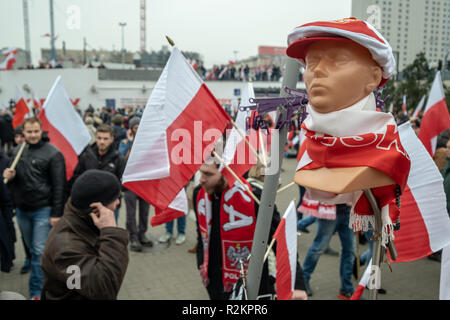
column 122, row 25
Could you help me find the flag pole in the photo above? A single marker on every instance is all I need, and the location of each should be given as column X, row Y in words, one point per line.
column 268, row 197
column 286, row 187
column 236, row 177
column 268, row 249
column 16, row 160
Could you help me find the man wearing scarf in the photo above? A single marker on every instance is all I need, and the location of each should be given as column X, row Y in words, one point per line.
column 226, row 219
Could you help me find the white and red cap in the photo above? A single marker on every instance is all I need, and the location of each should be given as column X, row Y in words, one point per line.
column 352, row 29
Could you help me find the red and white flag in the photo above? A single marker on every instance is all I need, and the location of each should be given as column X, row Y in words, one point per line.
column 193, row 63
column 222, row 73
column 436, row 117
column 363, row 282
column 179, row 128
column 65, row 127
column 237, row 154
column 404, row 105
column 286, row 237
column 8, row 63
column 424, row 222
column 6, row 52
column 22, row 109
column 419, row 107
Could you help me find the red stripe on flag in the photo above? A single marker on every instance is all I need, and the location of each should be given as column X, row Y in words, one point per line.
column 161, row 192
column 283, row 283
column 20, row 113
column 60, row 142
column 435, row 120
column 164, row 216
column 411, row 240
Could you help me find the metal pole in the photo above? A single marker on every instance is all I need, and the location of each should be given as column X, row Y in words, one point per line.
column 52, row 33
column 26, row 27
column 269, row 192
column 376, row 238
column 122, row 25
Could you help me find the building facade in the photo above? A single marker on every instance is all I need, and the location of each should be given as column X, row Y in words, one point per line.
column 410, row 27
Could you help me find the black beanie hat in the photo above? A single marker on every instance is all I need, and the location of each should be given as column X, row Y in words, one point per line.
column 94, row 186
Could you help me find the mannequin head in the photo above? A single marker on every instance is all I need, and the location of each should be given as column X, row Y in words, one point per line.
column 338, row 74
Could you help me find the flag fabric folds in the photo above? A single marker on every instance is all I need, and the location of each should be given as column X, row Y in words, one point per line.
column 424, row 222
column 21, row 109
column 65, row 127
column 436, row 117
column 237, row 154
column 444, row 288
column 419, row 107
column 180, row 126
column 286, row 257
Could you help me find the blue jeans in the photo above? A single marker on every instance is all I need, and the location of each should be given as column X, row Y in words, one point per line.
column 325, row 230
column 367, row 255
column 305, row 222
column 181, row 225
column 35, row 226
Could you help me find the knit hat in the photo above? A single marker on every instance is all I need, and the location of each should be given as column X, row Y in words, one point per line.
column 18, row 130
column 350, row 29
column 134, row 121
column 94, row 186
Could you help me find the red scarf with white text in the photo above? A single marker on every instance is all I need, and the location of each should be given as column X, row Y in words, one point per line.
column 353, row 137
column 237, row 227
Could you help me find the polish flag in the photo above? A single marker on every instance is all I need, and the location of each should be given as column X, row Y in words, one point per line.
column 424, row 222
column 237, row 154
column 286, row 236
column 65, row 127
column 179, row 128
column 404, row 105
column 21, row 109
column 436, row 117
column 8, row 63
column 418, row 108
column 194, row 64
column 363, row 282
column 8, row 51
column 221, row 74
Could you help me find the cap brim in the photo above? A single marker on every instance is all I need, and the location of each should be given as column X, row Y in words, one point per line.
column 299, row 48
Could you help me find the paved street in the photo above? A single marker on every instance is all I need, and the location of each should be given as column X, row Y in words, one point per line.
column 168, row 271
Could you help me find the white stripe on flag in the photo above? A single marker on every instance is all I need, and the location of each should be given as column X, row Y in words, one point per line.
column 291, row 239
column 425, row 182
column 444, row 290
column 63, row 117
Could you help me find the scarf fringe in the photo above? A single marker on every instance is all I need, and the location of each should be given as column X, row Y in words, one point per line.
column 365, row 222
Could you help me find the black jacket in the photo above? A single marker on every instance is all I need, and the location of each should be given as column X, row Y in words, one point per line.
column 112, row 161
column 7, row 231
column 101, row 255
column 40, row 178
column 215, row 258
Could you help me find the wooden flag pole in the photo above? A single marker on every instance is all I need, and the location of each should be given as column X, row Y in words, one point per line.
column 268, row 249
column 252, row 149
column 16, row 160
column 236, row 177
column 286, row 187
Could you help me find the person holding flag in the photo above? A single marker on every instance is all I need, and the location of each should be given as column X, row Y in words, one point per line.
column 226, row 218
column 37, row 185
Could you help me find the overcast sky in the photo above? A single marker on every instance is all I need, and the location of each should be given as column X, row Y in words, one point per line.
column 214, row 28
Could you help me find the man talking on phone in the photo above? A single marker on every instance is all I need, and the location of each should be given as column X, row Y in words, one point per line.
column 86, row 254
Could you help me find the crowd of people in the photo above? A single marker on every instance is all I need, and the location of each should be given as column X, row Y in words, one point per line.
column 75, row 222
column 241, row 73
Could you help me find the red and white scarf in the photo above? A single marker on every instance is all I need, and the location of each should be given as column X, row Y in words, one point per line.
column 316, row 208
column 237, row 227
column 357, row 136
